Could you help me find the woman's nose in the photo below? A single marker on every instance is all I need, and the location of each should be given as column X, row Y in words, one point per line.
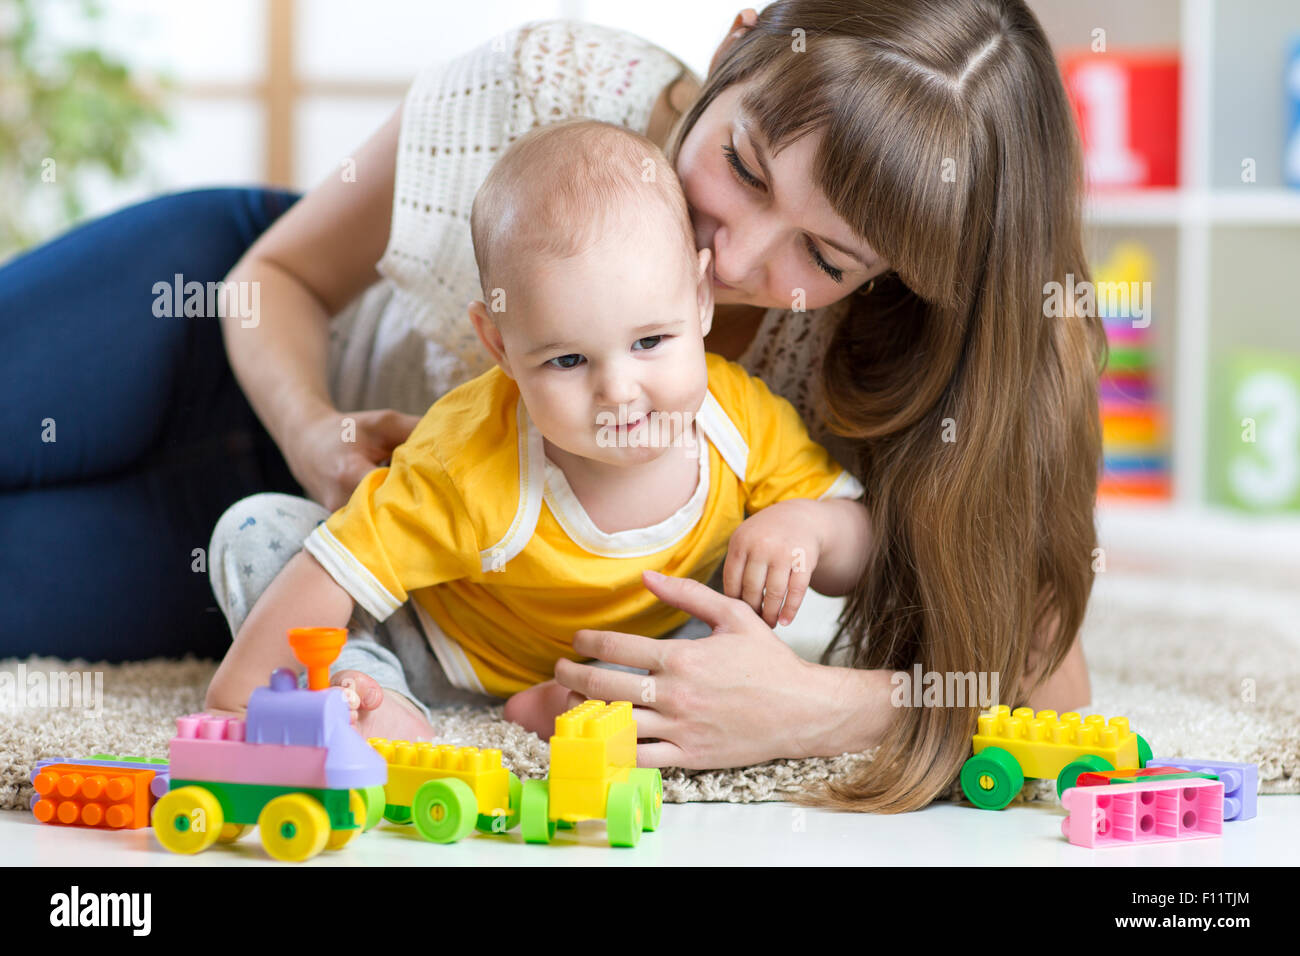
column 739, row 249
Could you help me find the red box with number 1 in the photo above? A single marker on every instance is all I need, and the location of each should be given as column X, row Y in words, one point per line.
column 1127, row 108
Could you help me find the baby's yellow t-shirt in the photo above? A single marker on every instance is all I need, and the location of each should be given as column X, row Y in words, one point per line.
column 502, row 564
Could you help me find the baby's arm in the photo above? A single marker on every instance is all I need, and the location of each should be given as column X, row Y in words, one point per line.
column 780, row 551
column 302, row 595
column 846, row 542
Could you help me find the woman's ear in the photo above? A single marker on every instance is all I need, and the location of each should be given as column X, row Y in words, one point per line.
column 744, row 22
column 704, row 290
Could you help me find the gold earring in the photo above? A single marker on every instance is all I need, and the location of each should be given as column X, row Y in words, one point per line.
column 866, row 289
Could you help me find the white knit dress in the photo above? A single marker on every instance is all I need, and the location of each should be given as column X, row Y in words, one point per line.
column 408, row 339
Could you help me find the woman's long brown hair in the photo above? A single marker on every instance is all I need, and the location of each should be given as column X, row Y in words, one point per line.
column 949, row 146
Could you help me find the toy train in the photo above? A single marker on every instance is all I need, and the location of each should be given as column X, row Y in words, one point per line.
column 295, row 767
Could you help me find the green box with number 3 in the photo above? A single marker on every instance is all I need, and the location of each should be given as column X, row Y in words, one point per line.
column 1254, row 442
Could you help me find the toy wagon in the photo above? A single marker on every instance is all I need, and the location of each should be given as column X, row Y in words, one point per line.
column 593, row 776
column 447, row 792
column 1012, row 745
column 295, row 767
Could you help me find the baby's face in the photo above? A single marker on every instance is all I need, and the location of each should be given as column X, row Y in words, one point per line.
column 613, row 335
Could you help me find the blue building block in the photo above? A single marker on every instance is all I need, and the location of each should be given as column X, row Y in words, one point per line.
column 1240, row 782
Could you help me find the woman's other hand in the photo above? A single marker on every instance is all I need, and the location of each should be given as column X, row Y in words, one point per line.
column 737, row 697
column 334, row 450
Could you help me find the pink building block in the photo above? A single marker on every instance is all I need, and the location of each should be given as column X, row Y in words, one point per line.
column 1130, row 813
column 213, row 748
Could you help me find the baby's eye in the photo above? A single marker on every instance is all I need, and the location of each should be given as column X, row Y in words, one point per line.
column 652, row 339
column 563, row 361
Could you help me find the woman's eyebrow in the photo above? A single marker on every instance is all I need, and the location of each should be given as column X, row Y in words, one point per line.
column 755, row 140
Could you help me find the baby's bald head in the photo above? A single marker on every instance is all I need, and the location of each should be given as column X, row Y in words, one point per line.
column 560, row 188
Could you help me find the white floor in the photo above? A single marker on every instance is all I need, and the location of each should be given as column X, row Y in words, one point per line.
column 711, row 834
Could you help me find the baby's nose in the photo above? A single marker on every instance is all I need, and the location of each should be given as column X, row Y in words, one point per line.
column 618, row 389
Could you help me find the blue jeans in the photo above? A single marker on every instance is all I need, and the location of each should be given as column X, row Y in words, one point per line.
column 104, row 529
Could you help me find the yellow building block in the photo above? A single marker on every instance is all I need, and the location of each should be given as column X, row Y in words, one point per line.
column 411, row 765
column 594, row 745
column 592, row 738
column 1044, row 743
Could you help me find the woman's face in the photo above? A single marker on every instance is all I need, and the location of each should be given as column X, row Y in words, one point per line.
column 771, row 229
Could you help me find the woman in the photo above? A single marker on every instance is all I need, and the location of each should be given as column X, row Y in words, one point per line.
column 894, row 181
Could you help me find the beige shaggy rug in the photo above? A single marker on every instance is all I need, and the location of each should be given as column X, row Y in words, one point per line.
column 1203, row 658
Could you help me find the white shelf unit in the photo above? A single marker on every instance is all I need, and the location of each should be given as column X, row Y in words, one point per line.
column 1191, row 214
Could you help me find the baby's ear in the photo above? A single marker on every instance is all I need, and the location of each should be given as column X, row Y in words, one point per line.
column 488, row 334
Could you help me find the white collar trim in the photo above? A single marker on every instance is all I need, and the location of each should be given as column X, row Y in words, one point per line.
column 547, row 482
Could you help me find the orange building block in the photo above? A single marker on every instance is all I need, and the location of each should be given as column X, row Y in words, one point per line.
column 89, row 796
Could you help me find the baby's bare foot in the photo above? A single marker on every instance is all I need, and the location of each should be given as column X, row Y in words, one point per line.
column 537, row 707
column 381, row 713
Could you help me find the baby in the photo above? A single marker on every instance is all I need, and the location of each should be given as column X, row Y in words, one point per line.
column 527, row 502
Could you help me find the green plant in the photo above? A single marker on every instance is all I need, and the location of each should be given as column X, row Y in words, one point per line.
column 63, row 112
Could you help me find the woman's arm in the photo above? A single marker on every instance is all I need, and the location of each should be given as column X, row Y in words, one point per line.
column 1069, row 688
column 312, row 262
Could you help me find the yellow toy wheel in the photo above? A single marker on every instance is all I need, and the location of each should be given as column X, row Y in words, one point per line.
column 341, row 838
column 233, row 831
column 294, row 827
column 188, row 820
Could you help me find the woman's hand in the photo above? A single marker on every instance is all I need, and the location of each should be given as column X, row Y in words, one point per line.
column 334, row 450
column 771, row 557
column 737, row 697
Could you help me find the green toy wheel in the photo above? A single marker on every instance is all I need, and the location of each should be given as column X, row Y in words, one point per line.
column 1070, row 775
column 373, row 798
column 1144, row 750
column 489, row 822
column 444, row 810
column 992, row 778
column 624, row 817
column 397, row 814
column 651, row 783
column 535, row 821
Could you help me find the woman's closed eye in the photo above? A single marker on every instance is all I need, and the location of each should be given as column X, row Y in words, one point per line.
column 752, row 181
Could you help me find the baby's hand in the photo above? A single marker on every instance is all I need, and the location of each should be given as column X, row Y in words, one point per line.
column 771, row 558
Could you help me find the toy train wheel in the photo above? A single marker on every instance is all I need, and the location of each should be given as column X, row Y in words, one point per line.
column 651, row 783
column 188, row 820
column 1069, row 777
column 1144, row 750
column 624, row 816
column 374, row 800
column 992, row 778
column 394, row 813
column 294, row 827
column 445, row 810
column 233, row 831
column 341, row 838
column 501, row 819
column 535, row 821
